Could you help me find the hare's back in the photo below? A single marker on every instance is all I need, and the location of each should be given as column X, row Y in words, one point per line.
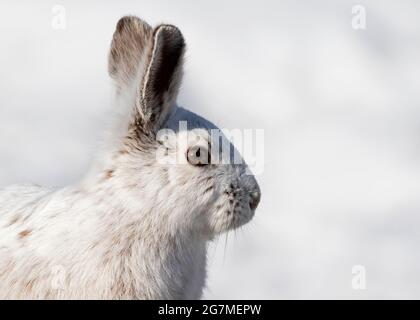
column 19, row 198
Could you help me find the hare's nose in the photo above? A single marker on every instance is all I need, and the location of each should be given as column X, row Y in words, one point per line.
column 254, row 199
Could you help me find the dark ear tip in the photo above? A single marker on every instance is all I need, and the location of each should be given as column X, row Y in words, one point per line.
column 170, row 33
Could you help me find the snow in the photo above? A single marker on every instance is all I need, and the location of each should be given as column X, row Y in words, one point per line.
column 340, row 109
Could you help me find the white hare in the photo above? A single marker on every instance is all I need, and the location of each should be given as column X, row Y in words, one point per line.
column 138, row 227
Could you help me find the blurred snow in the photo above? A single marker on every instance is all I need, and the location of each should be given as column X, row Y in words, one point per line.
column 340, row 109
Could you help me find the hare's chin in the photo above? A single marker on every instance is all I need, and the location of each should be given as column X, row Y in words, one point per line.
column 234, row 220
column 242, row 218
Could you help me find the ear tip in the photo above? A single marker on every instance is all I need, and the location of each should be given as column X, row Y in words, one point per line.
column 126, row 20
column 171, row 33
column 130, row 21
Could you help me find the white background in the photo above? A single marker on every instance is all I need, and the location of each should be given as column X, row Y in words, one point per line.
column 340, row 109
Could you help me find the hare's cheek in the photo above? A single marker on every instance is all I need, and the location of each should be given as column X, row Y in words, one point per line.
column 221, row 215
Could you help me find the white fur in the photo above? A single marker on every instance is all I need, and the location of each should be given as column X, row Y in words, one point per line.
column 133, row 229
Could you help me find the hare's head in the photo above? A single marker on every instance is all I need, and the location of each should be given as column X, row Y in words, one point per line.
column 171, row 162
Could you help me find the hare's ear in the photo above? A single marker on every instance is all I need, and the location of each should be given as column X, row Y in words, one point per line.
column 146, row 65
column 162, row 78
column 130, row 43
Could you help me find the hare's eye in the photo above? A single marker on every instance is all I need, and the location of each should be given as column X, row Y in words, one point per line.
column 198, row 156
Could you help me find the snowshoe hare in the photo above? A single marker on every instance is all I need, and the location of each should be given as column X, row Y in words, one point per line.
column 138, row 228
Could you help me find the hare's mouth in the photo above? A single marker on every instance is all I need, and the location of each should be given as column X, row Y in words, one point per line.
column 240, row 215
column 231, row 215
column 235, row 207
column 239, row 210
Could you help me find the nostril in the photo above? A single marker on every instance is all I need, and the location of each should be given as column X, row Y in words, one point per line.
column 255, row 198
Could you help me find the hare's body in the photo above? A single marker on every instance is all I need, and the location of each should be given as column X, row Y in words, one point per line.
column 85, row 244
column 138, row 226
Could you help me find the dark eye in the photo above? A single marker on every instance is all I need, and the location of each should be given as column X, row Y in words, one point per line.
column 198, row 156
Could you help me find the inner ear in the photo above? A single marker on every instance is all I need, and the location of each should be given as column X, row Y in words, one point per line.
column 163, row 76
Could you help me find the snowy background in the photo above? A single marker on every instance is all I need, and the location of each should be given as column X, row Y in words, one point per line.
column 340, row 109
